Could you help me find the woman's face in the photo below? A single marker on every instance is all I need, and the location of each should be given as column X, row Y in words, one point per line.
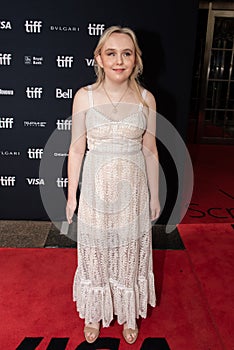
column 117, row 57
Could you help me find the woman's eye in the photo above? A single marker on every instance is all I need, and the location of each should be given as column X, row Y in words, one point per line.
column 127, row 54
column 110, row 54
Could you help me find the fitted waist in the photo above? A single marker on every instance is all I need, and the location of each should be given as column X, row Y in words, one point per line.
column 129, row 147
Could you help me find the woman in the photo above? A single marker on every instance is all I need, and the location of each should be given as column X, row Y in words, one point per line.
column 116, row 116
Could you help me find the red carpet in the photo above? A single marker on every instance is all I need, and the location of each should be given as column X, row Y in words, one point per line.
column 194, row 286
column 213, row 194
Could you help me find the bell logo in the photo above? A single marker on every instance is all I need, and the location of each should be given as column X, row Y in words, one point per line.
column 33, row 26
column 96, row 29
column 35, row 153
column 34, row 92
column 59, row 93
column 64, row 61
column 5, row 59
column 7, row 180
column 5, row 25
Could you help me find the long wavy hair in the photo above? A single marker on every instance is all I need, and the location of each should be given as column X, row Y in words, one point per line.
column 137, row 70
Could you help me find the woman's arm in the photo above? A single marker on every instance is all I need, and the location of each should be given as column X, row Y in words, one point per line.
column 151, row 157
column 76, row 150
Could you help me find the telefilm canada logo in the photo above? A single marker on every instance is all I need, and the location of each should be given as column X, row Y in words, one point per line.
column 34, row 124
column 33, row 60
column 5, row 25
column 33, row 26
column 7, row 92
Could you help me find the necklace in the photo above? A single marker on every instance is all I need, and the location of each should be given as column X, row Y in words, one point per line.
column 115, row 105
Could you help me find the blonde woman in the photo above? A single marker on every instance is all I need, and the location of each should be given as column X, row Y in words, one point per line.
column 113, row 125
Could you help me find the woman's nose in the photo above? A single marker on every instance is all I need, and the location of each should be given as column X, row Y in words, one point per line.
column 119, row 59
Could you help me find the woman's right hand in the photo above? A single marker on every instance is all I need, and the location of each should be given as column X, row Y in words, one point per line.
column 70, row 209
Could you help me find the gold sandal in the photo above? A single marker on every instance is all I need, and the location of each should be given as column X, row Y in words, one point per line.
column 91, row 330
column 133, row 333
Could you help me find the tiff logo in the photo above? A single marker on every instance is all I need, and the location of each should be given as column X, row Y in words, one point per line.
column 59, row 93
column 62, row 182
column 96, row 29
column 64, row 61
column 33, row 26
column 34, row 92
column 7, row 180
column 63, row 124
column 6, row 123
column 5, row 59
column 35, row 153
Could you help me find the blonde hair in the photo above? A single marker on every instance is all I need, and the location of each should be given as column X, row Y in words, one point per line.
column 138, row 69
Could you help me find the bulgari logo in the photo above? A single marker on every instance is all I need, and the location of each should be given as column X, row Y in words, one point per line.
column 64, row 28
column 7, row 153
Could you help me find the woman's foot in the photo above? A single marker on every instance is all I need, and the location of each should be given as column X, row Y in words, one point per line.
column 91, row 331
column 129, row 334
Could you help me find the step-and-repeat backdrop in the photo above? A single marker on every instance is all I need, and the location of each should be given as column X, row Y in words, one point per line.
column 46, row 54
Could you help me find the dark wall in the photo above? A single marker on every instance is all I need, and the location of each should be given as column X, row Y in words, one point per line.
column 166, row 31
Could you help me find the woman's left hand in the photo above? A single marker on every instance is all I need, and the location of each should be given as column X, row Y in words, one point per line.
column 154, row 209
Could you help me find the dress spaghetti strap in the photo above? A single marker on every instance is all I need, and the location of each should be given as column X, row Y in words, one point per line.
column 90, row 96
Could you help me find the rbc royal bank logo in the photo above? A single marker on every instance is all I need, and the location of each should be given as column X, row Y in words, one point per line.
column 33, row 26
column 5, row 59
column 64, row 61
column 95, row 29
column 6, row 122
column 7, row 180
column 35, row 153
column 5, row 25
column 34, row 92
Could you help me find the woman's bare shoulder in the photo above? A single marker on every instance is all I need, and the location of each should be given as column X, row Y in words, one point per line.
column 81, row 99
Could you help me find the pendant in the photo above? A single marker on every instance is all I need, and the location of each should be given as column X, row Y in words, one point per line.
column 115, row 110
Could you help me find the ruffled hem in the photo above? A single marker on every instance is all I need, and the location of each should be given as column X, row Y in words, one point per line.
column 96, row 304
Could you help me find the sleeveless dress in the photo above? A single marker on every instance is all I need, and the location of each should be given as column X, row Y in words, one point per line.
column 114, row 275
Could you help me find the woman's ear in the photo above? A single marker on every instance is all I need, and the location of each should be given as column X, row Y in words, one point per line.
column 99, row 60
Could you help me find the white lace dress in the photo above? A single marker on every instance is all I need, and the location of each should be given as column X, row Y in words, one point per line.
column 114, row 274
